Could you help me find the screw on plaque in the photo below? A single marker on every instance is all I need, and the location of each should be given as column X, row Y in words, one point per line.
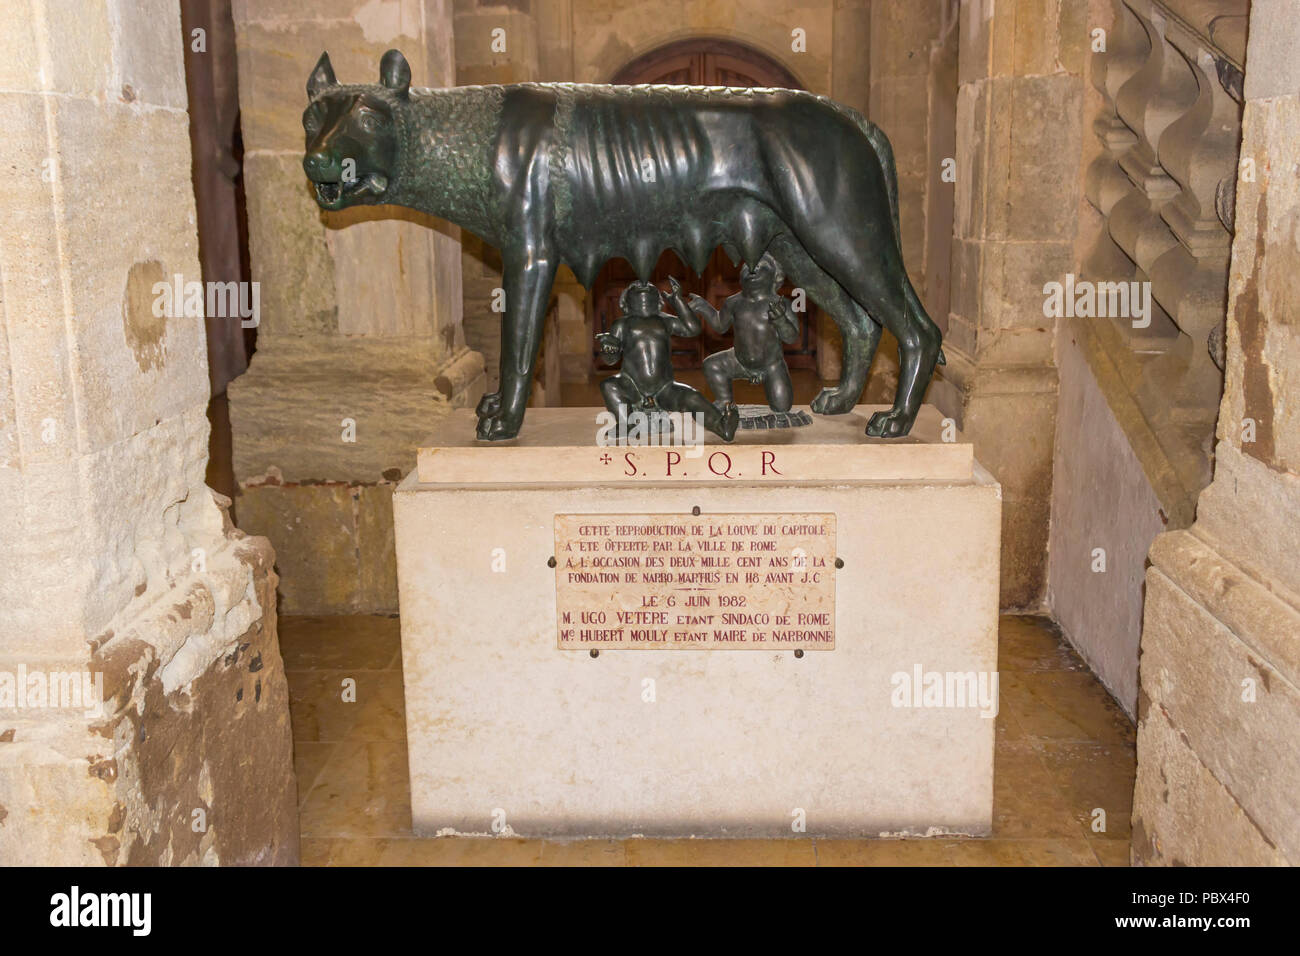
column 695, row 510
column 550, row 562
column 839, row 562
column 798, row 652
column 594, row 652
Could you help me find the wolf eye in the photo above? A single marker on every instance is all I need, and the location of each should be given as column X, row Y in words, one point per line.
column 369, row 122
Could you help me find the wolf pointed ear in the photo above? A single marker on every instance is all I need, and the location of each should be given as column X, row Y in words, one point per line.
column 395, row 72
column 321, row 77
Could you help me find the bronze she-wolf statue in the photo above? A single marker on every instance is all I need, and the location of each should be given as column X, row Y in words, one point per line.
column 581, row 174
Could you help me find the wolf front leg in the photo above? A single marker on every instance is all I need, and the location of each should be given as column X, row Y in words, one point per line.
column 528, row 279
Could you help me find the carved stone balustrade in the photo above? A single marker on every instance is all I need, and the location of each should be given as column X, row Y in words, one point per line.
column 1170, row 128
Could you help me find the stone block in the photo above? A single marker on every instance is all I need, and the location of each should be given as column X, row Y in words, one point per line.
column 82, row 37
column 1244, row 511
column 148, row 52
column 1227, row 702
column 1274, row 38
column 19, row 67
column 1101, row 498
column 1174, row 789
column 376, row 557
column 1023, row 583
column 220, row 743
column 286, row 242
column 1264, row 347
column 973, row 138
column 327, row 408
column 1012, row 279
column 898, row 106
column 43, row 409
column 55, row 809
column 499, row 717
column 477, row 58
column 274, row 62
column 333, row 544
column 136, row 367
column 1013, row 424
column 901, row 35
column 314, row 533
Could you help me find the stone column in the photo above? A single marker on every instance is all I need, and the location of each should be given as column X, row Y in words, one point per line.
column 1019, row 133
column 1219, row 709
column 520, row 42
column 900, row 98
column 360, row 349
column 143, row 706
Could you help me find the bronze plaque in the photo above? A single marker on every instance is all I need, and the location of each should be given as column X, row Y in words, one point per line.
column 695, row 582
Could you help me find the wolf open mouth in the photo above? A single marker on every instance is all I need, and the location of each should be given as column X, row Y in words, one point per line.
column 330, row 193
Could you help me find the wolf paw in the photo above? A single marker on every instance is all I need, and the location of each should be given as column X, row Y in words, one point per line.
column 498, row 426
column 894, row 423
column 834, row 401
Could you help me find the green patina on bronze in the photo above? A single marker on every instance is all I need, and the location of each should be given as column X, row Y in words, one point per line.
column 581, row 174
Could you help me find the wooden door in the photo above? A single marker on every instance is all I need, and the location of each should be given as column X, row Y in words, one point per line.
column 700, row 63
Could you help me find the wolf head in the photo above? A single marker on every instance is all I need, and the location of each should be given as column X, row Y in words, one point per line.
column 354, row 132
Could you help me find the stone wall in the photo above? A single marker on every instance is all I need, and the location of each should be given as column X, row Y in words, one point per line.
column 1019, row 134
column 1104, row 517
column 360, row 350
column 1219, row 709
column 1156, row 179
column 117, row 564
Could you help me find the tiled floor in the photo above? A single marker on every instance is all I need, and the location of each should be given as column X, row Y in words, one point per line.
column 1064, row 751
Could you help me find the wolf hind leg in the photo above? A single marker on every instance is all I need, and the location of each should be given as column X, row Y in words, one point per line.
column 876, row 279
column 861, row 334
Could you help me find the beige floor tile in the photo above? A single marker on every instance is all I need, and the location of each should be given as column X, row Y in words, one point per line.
column 383, row 707
column 934, row 852
column 1008, row 730
column 786, row 852
column 584, row 853
column 315, row 851
column 1111, row 852
column 1050, row 852
column 1065, row 706
column 411, row 851
column 1092, row 777
column 1028, row 643
column 1026, row 802
column 363, row 791
column 309, row 758
column 368, row 642
column 318, row 706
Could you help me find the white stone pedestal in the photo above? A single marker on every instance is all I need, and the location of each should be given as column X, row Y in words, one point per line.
column 510, row 734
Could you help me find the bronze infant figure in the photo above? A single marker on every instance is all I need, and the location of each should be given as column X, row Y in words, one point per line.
column 642, row 336
column 762, row 320
column 581, row 174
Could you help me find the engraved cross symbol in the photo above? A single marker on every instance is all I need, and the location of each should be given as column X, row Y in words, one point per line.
column 605, row 459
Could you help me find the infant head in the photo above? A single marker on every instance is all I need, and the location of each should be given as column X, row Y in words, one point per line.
column 765, row 277
column 640, row 298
